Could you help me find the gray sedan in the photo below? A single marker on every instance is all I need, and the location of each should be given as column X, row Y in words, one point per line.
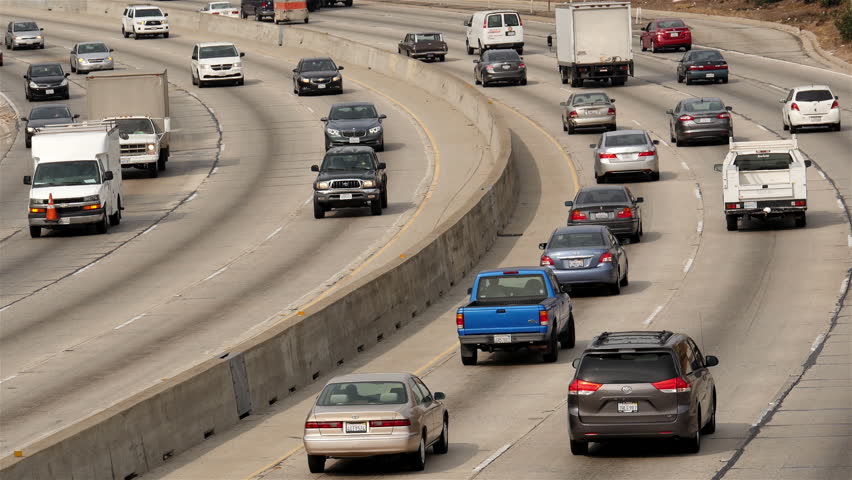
column 503, row 65
column 354, row 123
column 613, row 206
column 626, row 152
column 697, row 119
column 88, row 56
column 593, row 109
column 586, row 256
column 23, row 33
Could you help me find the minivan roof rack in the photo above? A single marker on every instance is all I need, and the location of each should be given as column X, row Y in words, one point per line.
column 636, row 336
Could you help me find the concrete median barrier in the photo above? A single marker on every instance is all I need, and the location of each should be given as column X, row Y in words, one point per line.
column 148, row 428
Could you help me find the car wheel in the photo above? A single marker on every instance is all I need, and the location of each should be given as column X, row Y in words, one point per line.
column 571, row 129
column 793, row 129
column 710, row 427
column 306, row 20
column 564, row 127
column 115, row 218
column 376, row 207
column 467, row 46
column 384, row 195
column 644, row 48
column 524, row 81
column 442, row 58
column 552, row 353
column 165, row 35
column 626, row 280
column 257, row 17
column 687, row 80
column 579, row 448
column 241, row 82
column 615, row 288
column 28, row 142
column 381, row 146
column 687, row 48
column 443, row 444
column 600, row 179
column 124, row 32
column 654, row 47
column 316, row 463
column 837, row 127
column 612, row 127
column 319, row 210
column 66, row 95
column 679, row 78
column 693, row 443
column 73, row 69
column 41, row 46
column 784, row 124
column 568, row 338
column 468, row 354
column 479, row 50
column 161, row 162
column 153, row 172
column 655, row 176
column 801, row 220
column 417, row 460
column 194, row 80
column 476, row 80
column 731, row 222
column 102, row 226
column 35, row 232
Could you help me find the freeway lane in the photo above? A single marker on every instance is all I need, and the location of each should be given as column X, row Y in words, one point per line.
column 228, row 261
column 744, row 296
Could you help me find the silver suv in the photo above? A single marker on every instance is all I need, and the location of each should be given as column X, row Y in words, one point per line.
column 641, row 385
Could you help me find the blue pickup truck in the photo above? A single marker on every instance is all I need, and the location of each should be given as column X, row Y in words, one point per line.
column 514, row 308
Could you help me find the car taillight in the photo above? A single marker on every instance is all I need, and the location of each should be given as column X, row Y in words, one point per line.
column 573, row 114
column 390, row 423
column 543, row 318
column 685, row 118
column 649, row 153
column 695, row 67
column 522, row 65
column 723, row 115
column 610, row 111
column 215, row 13
column 323, row 424
column 794, row 107
column 722, row 67
column 606, row 257
column 835, row 104
column 607, row 155
column 732, row 206
column 489, row 68
column 460, row 321
column 235, row 12
column 545, row 261
column 578, row 215
column 582, row 387
column 625, row 212
column 799, row 203
column 672, row 385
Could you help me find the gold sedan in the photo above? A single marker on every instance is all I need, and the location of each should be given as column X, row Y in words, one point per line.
column 362, row 415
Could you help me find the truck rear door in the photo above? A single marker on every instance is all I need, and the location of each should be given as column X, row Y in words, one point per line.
column 763, row 175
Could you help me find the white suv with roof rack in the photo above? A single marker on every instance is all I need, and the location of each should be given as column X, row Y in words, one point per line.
column 811, row 106
column 140, row 20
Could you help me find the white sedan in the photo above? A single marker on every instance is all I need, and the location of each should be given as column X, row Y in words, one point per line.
column 811, row 106
column 224, row 9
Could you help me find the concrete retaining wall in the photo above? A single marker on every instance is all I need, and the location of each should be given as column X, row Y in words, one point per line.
column 145, row 430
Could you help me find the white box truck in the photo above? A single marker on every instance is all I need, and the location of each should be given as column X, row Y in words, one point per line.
column 138, row 103
column 77, row 177
column 764, row 179
column 594, row 41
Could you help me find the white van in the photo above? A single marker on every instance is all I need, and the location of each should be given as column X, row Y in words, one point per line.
column 79, row 165
column 494, row 29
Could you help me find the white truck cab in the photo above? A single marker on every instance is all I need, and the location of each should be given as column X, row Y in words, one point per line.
column 494, row 29
column 764, row 179
column 140, row 141
column 78, row 167
column 141, row 20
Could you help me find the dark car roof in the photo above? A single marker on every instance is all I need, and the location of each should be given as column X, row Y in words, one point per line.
column 702, row 100
column 580, row 229
column 351, row 104
column 48, row 105
column 45, row 64
column 635, row 339
column 425, row 33
column 307, row 59
column 602, row 188
column 352, row 149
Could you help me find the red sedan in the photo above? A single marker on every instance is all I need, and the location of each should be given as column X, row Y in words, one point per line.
column 666, row 33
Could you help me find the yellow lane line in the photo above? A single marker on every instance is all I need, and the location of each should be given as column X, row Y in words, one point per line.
column 276, row 462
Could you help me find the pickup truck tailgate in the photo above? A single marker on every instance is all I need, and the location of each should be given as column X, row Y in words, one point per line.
column 502, row 319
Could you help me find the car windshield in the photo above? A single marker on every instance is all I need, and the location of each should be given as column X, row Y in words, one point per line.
column 428, row 37
column 46, row 70
column 92, row 48
column 763, row 161
column 625, row 140
column 318, row 65
column 511, row 286
column 703, row 106
column 601, row 196
column 352, row 112
column 25, row 27
column 220, row 6
column 576, row 240
column 135, row 126
column 705, row 55
column 347, row 161
column 149, row 12
column 363, row 393
column 47, row 113
column 639, row 367
column 590, row 98
column 505, row 56
column 82, row 172
column 814, row 96
column 218, row 51
column 670, row 24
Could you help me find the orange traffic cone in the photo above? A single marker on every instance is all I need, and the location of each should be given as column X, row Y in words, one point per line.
column 51, row 210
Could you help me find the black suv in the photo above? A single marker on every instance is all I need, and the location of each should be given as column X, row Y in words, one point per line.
column 641, row 385
column 350, row 177
column 259, row 9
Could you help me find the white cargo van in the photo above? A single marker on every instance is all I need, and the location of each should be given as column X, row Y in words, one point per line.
column 764, row 179
column 494, row 29
column 79, row 165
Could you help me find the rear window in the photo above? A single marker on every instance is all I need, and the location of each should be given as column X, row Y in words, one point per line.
column 506, row 286
column 428, row 37
column 639, row 367
column 495, row 21
column 705, row 55
column 363, row 393
column 577, row 240
column 502, row 56
column 590, row 98
column 814, row 96
column 670, row 24
column 512, row 20
column 763, row 161
column 625, row 140
column 708, row 106
column 601, row 196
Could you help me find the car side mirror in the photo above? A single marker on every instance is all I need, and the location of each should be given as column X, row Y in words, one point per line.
column 67, row 75
column 242, row 54
column 476, row 61
column 783, row 100
column 295, row 70
column 165, row 14
column 711, row 361
column 717, row 167
column 575, row 363
column 611, row 100
column 340, row 68
column 111, row 50
column 564, row 104
column 382, row 116
column 729, row 108
column 193, row 57
column 655, row 142
column 593, row 145
column 644, row 29
column 25, row 119
column 324, row 119
column 469, row 291
column 382, row 165
column 640, row 199
column 837, row 97
column 108, row 175
column 28, row 180
column 41, row 29
column 564, row 288
column 542, row 246
column 315, row 168
column 75, row 116
column 808, row 163
column 123, row 135
column 569, row 203
column 440, row 396
column 670, row 112
column 24, row 76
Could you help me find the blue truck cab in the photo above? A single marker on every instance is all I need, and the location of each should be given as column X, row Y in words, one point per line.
column 514, row 308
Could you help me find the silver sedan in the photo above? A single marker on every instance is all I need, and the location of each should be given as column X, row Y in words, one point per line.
column 626, row 152
column 89, row 56
column 588, row 109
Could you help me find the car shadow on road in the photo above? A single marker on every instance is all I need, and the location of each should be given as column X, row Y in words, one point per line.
column 392, row 209
column 392, row 147
column 459, row 454
column 647, row 237
column 815, row 218
column 726, row 439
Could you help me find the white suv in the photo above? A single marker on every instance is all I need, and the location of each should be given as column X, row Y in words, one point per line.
column 811, row 106
column 139, row 20
column 216, row 62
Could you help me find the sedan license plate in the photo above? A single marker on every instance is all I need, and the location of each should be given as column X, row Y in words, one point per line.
column 49, row 91
column 710, row 75
column 502, row 339
column 354, row 140
column 575, row 263
column 356, row 428
column 346, row 196
column 628, row 407
column 674, row 34
column 704, row 120
column 815, row 119
column 601, row 215
column 750, row 204
column 505, row 67
column 321, row 85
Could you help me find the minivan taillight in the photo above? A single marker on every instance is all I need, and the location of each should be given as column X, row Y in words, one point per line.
column 582, row 387
column 672, row 385
column 546, row 261
column 460, row 321
column 323, row 424
column 543, row 319
column 390, row 423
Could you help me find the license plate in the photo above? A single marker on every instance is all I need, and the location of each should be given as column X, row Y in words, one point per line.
column 502, row 339
column 505, row 67
column 750, row 204
column 575, row 263
column 603, row 69
column 49, row 91
column 354, row 140
column 64, row 221
column 601, row 215
column 628, row 407
column 711, row 75
column 356, row 428
column 816, row 119
column 704, row 120
column 674, row 34
column 346, row 196
column 430, row 55
column 321, row 85
column 510, row 34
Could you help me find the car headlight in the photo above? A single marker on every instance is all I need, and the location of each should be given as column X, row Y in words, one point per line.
column 305, row 80
column 322, row 185
column 140, row 22
column 38, row 37
column 91, row 198
column 37, row 201
column 79, row 60
column 151, row 147
column 333, row 132
column 238, row 64
column 109, row 59
column 369, row 183
column 33, row 85
column 335, row 78
column 165, row 21
column 30, row 129
column 376, row 129
column 64, row 82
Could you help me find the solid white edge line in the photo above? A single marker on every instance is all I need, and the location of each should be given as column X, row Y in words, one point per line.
column 840, row 204
column 637, row 123
column 817, row 341
column 688, row 265
column 215, row 169
column 848, row 244
column 191, row 197
column 85, row 268
column 763, row 414
column 11, row 104
column 684, row 165
column 493, row 457
column 697, row 192
column 148, row 229
column 137, row 317
column 8, row 378
column 762, row 127
column 700, row 227
column 822, row 174
column 274, row 232
column 824, row 70
column 217, row 272
column 653, row 315
column 844, row 285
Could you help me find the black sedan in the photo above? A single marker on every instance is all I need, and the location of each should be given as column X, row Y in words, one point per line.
column 502, row 65
column 613, row 206
column 44, row 80
column 42, row 115
column 354, row 123
column 702, row 65
column 317, row 75
column 697, row 119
